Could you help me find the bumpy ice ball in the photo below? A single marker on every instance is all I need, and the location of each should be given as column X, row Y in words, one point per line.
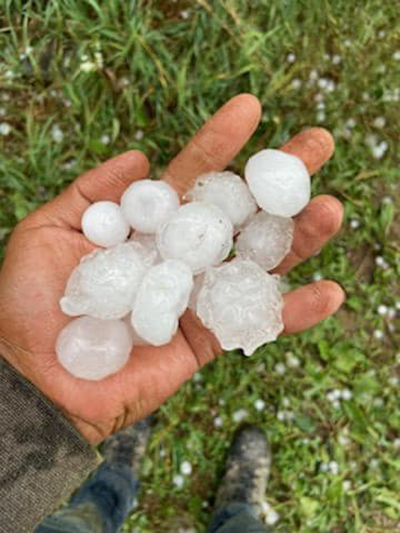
column 226, row 190
column 163, row 296
column 106, row 282
column 265, row 239
column 148, row 203
column 103, row 224
column 279, row 182
column 198, row 234
column 241, row 304
column 92, row 349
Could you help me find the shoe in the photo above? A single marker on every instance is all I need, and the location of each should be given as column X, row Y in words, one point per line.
column 129, row 444
column 247, row 470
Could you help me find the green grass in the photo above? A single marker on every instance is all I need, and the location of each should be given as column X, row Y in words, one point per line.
column 163, row 75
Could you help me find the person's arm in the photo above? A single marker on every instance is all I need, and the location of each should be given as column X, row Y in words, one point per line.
column 43, row 457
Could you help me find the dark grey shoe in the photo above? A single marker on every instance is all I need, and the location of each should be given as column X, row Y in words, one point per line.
column 129, row 444
column 247, row 470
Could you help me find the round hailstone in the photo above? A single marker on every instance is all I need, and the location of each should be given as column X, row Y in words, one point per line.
column 228, row 191
column 92, row 349
column 103, row 224
column 279, row 182
column 265, row 239
column 198, row 234
column 105, row 282
column 162, row 298
column 241, row 304
column 148, row 203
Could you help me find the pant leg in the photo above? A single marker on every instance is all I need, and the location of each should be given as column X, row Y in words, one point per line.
column 237, row 518
column 101, row 505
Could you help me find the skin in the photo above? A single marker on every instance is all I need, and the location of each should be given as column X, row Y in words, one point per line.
column 48, row 244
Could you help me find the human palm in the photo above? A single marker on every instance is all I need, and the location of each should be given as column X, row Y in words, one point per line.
column 48, row 244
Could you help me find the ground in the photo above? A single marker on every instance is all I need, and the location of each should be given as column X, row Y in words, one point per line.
column 82, row 81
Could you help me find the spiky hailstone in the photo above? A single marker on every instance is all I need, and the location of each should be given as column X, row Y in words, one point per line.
column 92, row 349
column 241, row 304
column 148, row 203
column 228, row 191
column 199, row 234
column 105, row 282
column 162, row 298
column 103, row 224
column 265, row 239
column 279, row 182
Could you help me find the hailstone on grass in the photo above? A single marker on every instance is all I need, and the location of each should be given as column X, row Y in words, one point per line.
column 105, row 282
column 148, row 203
column 162, row 298
column 228, row 191
column 265, row 239
column 198, row 234
column 241, row 304
column 92, row 349
column 103, row 224
column 279, row 182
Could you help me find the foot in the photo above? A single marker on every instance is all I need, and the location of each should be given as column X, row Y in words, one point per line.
column 247, row 470
column 129, row 444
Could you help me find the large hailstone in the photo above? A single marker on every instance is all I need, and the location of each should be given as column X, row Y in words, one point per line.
column 105, row 282
column 92, row 349
column 162, row 298
column 279, row 182
column 148, row 203
column 241, row 304
column 103, row 224
column 266, row 239
column 228, row 191
column 198, row 234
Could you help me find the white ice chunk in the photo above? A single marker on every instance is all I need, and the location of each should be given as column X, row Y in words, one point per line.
column 228, row 191
column 241, row 304
column 103, row 224
column 198, row 234
column 105, row 282
column 92, row 349
column 265, row 239
column 148, row 203
column 162, row 298
column 279, row 182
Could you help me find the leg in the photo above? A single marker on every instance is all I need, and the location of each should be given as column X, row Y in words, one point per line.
column 239, row 499
column 103, row 503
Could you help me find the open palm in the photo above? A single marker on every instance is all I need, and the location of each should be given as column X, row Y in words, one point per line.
column 48, row 244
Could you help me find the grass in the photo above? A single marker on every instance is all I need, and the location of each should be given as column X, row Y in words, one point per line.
column 159, row 70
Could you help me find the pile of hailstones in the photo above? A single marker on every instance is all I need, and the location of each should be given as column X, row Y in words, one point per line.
column 134, row 289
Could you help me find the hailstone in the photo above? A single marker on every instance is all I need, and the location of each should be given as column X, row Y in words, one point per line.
column 148, row 203
column 241, row 304
column 103, row 224
column 279, row 182
column 228, row 191
column 198, row 234
column 265, row 239
column 162, row 298
column 105, row 282
column 92, row 349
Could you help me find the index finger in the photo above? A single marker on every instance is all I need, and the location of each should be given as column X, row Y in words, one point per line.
column 216, row 143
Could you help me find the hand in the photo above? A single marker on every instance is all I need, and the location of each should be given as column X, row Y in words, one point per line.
column 48, row 244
